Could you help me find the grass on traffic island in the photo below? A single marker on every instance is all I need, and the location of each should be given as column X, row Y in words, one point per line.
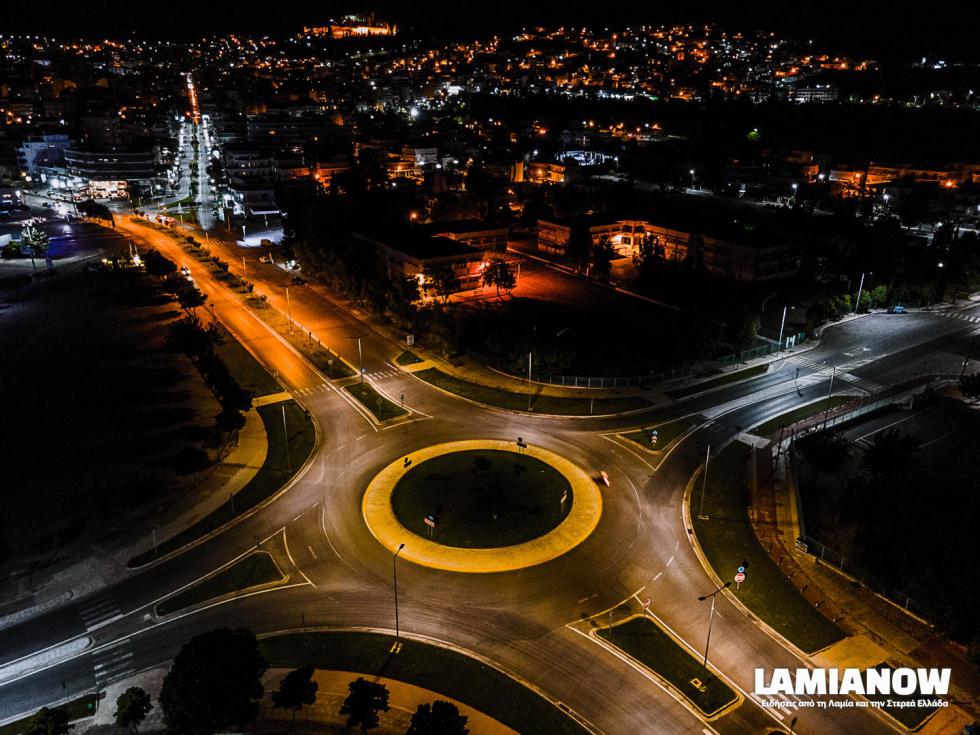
column 666, row 433
column 377, row 404
column 798, row 414
column 482, row 498
column 245, row 369
column 77, row 709
column 323, row 358
column 447, row 672
column 274, row 473
column 643, row 640
column 408, row 358
column 725, row 379
column 727, row 538
column 554, row 405
column 258, row 568
column 910, row 716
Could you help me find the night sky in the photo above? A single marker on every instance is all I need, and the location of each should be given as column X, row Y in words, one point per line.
column 899, row 29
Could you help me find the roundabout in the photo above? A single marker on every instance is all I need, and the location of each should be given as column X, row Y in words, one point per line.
column 487, row 506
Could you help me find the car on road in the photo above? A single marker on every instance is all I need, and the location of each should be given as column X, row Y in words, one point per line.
column 897, row 310
column 299, row 280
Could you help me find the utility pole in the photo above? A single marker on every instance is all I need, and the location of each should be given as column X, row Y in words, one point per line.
column 830, row 389
column 244, row 272
column 779, row 344
column 711, row 619
column 289, row 311
column 857, row 304
column 285, row 435
column 529, row 382
column 704, row 483
column 360, row 359
column 394, row 577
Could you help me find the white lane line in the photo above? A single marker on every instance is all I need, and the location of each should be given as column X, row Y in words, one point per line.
column 669, row 562
column 659, row 575
column 312, row 552
column 586, row 599
column 293, row 561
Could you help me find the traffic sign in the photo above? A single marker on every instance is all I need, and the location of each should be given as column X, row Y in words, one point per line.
column 430, row 521
column 740, row 577
column 741, row 570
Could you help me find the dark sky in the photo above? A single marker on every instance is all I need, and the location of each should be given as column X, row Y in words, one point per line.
column 901, row 28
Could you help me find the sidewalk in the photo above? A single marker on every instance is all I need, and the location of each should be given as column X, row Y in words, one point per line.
column 879, row 630
column 322, row 715
column 103, row 568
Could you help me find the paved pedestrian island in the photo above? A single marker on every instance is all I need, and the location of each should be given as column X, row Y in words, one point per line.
column 581, row 519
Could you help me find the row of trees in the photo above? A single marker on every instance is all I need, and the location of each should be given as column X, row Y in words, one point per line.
column 197, row 341
column 215, row 683
column 899, row 526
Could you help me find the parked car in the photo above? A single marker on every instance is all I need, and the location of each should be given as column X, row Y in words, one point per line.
column 299, row 280
column 897, row 310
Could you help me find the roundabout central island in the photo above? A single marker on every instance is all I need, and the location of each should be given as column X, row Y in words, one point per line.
column 482, row 506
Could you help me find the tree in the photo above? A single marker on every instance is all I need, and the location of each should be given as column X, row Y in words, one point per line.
column 158, row 265
column 213, row 682
column 823, row 450
column 892, row 454
column 36, row 240
column 48, row 722
column 444, row 282
column 603, row 253
column 296, row 690
column 970, row 385
column 499, row 274
column 132, row 707
column 438, row 718
column 579, row 245
column 365, row 701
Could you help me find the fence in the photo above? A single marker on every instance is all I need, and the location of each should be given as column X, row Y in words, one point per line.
column 806, row 543
column 663, row 376
column 810, row 545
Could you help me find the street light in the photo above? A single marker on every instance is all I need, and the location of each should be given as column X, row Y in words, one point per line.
column 394, row 577
column 830, row 389
column 711, row 619
column 692, row 177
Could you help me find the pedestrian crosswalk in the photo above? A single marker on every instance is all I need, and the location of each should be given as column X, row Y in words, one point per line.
column 98, row 611
column 973, row 319
column 841, row 372
column 381, row 374
column 113, row 663
column 318, row 388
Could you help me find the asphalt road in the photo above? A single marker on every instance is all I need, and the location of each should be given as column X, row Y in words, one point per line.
column 521, row 620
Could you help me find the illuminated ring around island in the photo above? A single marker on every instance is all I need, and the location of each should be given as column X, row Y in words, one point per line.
column 577, row 526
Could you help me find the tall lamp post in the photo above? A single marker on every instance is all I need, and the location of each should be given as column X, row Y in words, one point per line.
column 394, row 577
column 830, row 389
column 711, row 619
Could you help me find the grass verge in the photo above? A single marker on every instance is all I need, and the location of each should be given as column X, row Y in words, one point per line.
column 539, row 403
column 435, row 668
column 732, row 377
column 408, row 358
column 727, row 538
column 482, row 498
column 274, row 473
column 324, row 359
column 254, row 570
column 381, row 407
column 643, row 640
column 245, row 369
column 76, row 709
column 798, row 414
column 666, row 433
